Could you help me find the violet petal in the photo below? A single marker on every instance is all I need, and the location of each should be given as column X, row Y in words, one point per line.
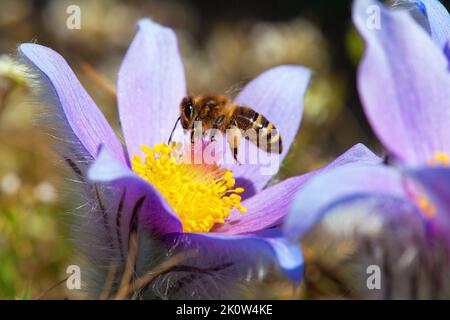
column 438, row 20
column 243, row 254
column 81, row 123
column 157, row 213
column 339, row 186
column 277, row 94
column 150, row 87
column 403, row 83
column 269, row 207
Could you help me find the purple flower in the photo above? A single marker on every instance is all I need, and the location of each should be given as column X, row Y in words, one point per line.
column 403, row 82
column 127, row 195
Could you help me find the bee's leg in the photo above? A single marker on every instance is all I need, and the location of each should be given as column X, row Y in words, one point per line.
column 192, row 136
column 193, row 130
column 216, row 125
column 233, row 139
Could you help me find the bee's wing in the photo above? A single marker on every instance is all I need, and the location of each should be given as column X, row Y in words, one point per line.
column 234, row 89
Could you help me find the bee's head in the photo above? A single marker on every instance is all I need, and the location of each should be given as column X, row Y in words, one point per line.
column 187, row 112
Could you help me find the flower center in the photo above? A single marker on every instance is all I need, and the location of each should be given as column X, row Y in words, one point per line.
column 426, row 206
column 439, row 159
column 200, row 194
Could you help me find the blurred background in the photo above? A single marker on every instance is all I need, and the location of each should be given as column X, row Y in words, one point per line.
column 224, row 44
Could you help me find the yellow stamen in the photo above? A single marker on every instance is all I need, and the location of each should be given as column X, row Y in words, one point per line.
column 426, row 206
column 439, row 159
column 200, row 194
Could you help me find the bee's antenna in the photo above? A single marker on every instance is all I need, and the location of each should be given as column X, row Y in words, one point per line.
column 173, row 130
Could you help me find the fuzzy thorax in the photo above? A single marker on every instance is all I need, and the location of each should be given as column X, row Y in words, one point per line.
column 200, row 194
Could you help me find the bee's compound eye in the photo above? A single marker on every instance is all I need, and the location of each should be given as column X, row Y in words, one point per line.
column 188, row 109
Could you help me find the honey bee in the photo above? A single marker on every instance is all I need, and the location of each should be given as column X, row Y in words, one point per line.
column 218, row 113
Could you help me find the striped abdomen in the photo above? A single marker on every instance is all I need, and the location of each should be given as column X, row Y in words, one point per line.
column 264, row 133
